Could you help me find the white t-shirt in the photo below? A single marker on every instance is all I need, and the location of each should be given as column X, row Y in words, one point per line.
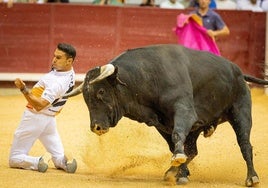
column 226, row 4
column 52, row 86
column 264, row 5
column 247, row 5
column 168, row 4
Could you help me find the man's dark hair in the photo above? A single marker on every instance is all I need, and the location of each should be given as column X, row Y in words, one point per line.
column 68, row 49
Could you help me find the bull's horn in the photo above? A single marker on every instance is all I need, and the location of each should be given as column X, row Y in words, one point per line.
column 76, row 91
column 106, row 70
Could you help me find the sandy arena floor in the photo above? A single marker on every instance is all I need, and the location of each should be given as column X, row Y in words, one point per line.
column 131, row 154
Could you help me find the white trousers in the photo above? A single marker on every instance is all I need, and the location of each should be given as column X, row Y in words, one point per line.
column 35, row 126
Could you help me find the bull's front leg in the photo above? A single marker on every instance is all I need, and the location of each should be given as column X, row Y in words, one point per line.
column 184, row 118
column 179, row 174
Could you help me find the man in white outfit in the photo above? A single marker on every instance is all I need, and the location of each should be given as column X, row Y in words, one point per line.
column 264, row 5
column 253, row 5
column 226, row 5
column 38, row 121
column 171, row 4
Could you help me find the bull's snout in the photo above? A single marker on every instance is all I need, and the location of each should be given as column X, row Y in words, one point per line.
column 99, row 130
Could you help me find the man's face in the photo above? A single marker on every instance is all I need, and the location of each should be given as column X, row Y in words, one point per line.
column 61, row 62
column 204, row 3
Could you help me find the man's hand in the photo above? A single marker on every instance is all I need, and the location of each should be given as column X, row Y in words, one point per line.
column 38, row 103
column 222, row 32
column 211, row 34
column 19, row 83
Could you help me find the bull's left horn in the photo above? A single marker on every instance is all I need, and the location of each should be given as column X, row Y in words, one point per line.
column 105, row 71
column 76, row 91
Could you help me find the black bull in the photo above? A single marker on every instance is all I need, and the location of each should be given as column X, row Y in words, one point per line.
column 180, row 91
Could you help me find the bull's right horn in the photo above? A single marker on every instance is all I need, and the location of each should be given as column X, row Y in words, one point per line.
column 76, row 91
column 105, row 71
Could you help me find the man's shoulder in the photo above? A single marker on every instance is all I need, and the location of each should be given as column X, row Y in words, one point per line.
column 212, row 12
column 61, row 74
column 194, row 11
column 56, row 78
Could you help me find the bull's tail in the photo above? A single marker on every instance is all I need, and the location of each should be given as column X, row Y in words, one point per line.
column 255, row 80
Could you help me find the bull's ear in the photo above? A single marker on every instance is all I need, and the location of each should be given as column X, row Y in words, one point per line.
column 115, row 79
column 112, row 78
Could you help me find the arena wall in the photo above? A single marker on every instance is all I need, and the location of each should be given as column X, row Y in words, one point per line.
column 29, row 33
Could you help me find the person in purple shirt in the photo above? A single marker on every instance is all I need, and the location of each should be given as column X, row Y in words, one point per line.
column 212, row 21
column 194, row 3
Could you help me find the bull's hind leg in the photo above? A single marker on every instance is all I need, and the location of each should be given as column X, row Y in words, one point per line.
column 241, row 121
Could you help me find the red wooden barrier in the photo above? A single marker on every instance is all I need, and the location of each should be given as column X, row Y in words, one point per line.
column 30, row 32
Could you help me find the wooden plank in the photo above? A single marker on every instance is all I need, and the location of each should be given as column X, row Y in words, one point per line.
column 29, row 34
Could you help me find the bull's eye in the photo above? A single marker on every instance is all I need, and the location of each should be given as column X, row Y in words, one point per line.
column 100, row 93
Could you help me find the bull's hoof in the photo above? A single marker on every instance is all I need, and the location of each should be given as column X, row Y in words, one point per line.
column 182, row 181
column 178, row 159
column 170, row 176
column 253, row 181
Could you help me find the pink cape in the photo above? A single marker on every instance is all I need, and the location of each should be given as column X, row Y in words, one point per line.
column 192, row 34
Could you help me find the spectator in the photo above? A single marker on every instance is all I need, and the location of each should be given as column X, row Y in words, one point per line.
column 45, row 101
column 148, row 3
column 185, row 3
column 57, row 1
column 109, row 2
column 226, row 4
column 253, row 5
column 171, row 4
column 8, row 2
column 11, row 2
column 264, row 5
